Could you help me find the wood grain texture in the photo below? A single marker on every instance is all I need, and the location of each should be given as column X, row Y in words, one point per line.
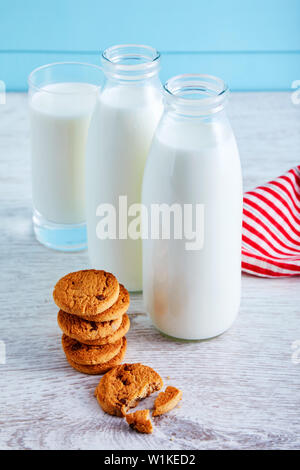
column 240, row 390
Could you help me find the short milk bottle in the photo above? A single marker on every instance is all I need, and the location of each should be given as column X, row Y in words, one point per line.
column 122, row 127
column 192, row 191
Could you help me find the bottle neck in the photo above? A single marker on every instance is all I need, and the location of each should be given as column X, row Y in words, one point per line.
column 196, row 95
column 131, row 63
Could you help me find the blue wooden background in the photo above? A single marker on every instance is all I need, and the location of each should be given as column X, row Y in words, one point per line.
column 253, row 45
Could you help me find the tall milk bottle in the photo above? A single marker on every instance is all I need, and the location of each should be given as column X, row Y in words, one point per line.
column 192, row 260
column 122, row 127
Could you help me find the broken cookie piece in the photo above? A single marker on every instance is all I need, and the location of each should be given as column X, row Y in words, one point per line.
column 124, row 386
column 140, row 421
column 166, row 401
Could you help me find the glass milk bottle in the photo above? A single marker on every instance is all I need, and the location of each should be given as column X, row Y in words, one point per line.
column 122, row 127
column 192, row 270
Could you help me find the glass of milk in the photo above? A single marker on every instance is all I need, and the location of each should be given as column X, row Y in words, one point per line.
column 62, row 97
column 122, row 127
column 192, row 278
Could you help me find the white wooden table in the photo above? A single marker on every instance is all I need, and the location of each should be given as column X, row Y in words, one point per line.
column 241, row 390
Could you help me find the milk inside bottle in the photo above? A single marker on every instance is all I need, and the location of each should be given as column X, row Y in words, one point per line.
column 122, row 127
column 192, row 290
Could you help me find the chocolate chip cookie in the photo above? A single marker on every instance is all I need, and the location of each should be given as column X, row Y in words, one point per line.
column 89, row 355
column 87, row 292
column 116, row 336
column 84, row 330
column 97, row 369
column 117, row 310
column 122, row 387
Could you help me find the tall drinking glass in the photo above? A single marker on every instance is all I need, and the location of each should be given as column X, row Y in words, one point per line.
column 62, row 97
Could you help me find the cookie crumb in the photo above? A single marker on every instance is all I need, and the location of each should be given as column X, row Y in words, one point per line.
column 166, row 401
column 140, row 421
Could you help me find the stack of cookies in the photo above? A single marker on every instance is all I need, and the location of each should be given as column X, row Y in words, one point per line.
column 93, row 319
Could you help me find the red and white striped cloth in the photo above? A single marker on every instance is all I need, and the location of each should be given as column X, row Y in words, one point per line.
column 271, row 228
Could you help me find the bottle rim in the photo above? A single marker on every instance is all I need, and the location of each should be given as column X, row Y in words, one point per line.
column 196, row 93
column 131, row 61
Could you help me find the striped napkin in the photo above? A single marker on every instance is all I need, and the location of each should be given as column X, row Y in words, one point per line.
column 271, row 227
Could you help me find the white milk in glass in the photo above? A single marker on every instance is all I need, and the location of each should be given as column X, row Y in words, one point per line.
column 119, row 139
column 194, row 294
column 60, row 116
